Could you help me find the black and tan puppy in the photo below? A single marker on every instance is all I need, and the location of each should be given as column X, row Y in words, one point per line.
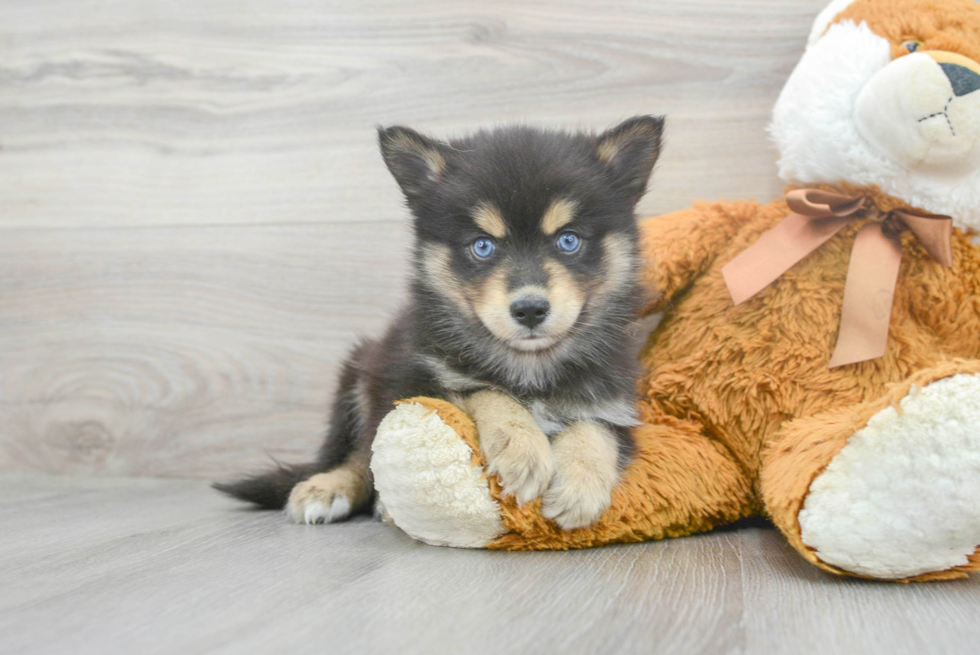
column 523, row 292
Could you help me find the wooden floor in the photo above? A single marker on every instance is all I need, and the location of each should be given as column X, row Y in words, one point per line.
column 123, row 565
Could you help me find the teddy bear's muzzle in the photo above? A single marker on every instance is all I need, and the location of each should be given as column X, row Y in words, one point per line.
column 923, row 112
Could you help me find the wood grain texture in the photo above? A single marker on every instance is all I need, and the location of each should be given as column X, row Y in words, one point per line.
column 195, row 223
column 171, row 351
column 106, row 565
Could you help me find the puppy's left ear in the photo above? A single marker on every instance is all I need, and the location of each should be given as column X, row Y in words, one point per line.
column 415, row 160
column 630, row 150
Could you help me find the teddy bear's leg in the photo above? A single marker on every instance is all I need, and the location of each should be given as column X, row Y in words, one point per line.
column 430, row 476
column 889, row 488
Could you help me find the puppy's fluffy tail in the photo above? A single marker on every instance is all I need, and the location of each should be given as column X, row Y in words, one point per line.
column 269, row 490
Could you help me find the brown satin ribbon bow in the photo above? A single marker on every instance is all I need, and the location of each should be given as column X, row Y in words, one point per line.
column 871, row 276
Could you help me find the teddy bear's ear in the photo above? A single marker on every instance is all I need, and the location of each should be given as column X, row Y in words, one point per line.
column 630, row 150
column 415, row 160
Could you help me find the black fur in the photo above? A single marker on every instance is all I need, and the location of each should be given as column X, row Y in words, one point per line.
column 519, row 170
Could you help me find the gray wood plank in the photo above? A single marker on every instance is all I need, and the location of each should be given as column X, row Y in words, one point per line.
column 106, row 565
column 793, row 607
column 170, row 351
column 200, row 111
column 225, row 580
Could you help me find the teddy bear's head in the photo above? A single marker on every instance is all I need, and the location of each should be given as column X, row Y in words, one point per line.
column 888, row 94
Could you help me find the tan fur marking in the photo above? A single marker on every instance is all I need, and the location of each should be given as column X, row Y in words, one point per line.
column 565, row 296
column 492, row 304
column 433, row 158
column 515, row 447
column 325, row 488
column 488, row 218
column 610, row 147
column 559, row 214
column 586, row 471
column 618, row 265
column 439, row 275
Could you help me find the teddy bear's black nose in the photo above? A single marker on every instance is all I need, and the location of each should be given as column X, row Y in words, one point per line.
column 963, row 79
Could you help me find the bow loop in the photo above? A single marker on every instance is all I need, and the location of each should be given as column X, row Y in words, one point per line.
column 817, row 203
column 933, row 231
column 818, row 215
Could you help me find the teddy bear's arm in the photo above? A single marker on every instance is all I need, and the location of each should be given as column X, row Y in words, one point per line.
column 678, row 247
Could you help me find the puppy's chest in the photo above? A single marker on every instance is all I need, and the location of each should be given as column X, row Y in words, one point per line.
column 553, row 416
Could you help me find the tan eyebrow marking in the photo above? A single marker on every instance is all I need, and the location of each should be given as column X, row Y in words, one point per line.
column 488, row 218
column 558, row 215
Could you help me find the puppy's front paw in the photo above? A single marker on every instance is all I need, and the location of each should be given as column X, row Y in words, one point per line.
column 324, row 498
column 586, row 455
column 575, row 500
column 522, row 459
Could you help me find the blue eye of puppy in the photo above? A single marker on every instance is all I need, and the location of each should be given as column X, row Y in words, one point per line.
column 569, row 242
column 911, row 46
column 483, row 247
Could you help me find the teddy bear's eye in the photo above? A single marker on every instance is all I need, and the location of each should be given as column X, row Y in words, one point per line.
column 912, row 46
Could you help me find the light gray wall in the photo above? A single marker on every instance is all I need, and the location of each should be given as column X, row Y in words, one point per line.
column 195, row 223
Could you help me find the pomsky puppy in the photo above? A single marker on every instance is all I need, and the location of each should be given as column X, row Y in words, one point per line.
column 523, row 293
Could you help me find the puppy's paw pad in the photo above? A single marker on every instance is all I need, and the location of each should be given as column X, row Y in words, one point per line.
column 312, row 503
column 572, row 505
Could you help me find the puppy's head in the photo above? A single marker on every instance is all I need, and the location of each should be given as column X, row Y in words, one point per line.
column 529, row 233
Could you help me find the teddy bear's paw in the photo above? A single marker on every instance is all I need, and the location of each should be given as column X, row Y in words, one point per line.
column 902, row 498
column 521, row 458
column 324, row 498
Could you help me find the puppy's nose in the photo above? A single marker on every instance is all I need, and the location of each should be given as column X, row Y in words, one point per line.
column 530, row 310
column 964, row 80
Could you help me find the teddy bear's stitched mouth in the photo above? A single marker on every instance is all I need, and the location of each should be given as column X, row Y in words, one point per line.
column 944, row 113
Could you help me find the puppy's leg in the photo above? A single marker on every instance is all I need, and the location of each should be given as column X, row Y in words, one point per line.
column 586, row 455
column 342, row 484
column 515, row 447
column 331, row 496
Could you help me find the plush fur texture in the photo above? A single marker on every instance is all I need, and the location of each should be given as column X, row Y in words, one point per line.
column 860, row 108
column 878, row 510
column 741, row 414
column 452, row 509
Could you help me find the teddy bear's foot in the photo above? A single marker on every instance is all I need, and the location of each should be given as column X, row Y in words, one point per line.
column 898, row 498
column 902, row 498
column 425, row 477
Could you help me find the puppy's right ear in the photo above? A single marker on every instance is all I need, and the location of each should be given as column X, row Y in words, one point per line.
column 414, row 160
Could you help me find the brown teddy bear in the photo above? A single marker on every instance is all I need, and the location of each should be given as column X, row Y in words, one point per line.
column 818, row 361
